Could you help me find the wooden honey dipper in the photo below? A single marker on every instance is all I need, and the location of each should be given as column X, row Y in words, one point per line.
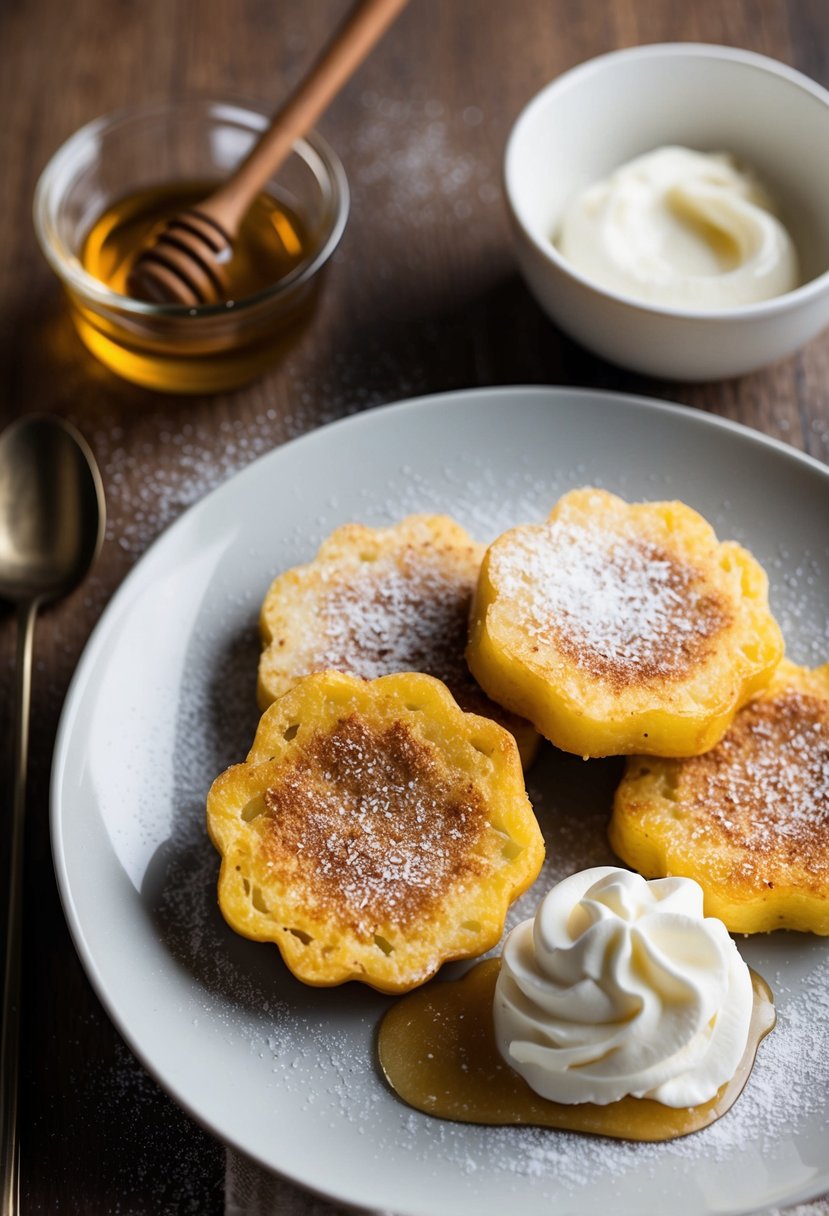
column 185, row 264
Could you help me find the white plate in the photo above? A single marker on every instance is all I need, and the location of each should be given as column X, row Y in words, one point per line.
column 164, row 699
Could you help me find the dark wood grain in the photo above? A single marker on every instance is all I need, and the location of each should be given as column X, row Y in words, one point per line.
column 422, row 296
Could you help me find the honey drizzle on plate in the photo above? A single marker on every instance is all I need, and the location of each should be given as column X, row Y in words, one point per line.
column 437, row 1051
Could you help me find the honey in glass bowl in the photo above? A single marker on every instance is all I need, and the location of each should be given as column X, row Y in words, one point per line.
column 116, row 181
column 270, row 244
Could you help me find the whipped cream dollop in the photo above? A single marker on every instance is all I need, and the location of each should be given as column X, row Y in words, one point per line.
column 680, row 228
column 620, row 986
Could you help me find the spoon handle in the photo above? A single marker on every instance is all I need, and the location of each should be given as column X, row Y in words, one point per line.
column 10, row 1033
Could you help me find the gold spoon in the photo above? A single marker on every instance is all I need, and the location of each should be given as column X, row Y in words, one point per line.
column 186, row 263
column 51, row 527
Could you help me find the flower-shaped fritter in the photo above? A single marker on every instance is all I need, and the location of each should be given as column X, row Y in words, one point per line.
column 749, row 820
column 622, row 628
column 374, row 831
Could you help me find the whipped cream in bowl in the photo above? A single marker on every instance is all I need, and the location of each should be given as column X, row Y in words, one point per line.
column 699, row 240
column 622, row 987
column 680, row 228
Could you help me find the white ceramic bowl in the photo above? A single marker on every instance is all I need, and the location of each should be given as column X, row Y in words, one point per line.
column 603, row 113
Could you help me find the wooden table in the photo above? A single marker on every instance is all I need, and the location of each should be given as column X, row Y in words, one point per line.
column 423, row 295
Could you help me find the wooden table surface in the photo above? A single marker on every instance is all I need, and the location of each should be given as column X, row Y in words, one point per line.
column 423, row 295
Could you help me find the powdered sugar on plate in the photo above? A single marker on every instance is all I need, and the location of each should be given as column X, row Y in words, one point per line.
column 154, row 729
column 312, row 1059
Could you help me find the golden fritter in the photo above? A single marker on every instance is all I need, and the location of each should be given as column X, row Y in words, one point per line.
column 622, row 628
column 374, row 831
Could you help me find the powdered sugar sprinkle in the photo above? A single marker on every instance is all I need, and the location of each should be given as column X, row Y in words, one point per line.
column 615, row 602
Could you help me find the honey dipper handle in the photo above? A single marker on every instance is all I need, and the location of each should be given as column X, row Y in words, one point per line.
column 362, row 28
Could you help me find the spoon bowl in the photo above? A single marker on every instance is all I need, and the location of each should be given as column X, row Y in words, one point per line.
column 52, row 518
column 51, row 509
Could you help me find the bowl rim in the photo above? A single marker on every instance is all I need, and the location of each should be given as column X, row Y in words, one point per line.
column 759, row 309
column 66, row 264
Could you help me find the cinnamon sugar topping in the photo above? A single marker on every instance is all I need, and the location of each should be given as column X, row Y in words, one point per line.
column 409, row 615
column 377, row 828
column 390, row 617
column 616, row 605
column 765, row 787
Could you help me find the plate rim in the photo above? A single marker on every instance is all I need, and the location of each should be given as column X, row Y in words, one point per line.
column 107, row 623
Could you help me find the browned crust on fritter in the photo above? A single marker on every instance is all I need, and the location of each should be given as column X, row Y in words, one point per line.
column 375, row 827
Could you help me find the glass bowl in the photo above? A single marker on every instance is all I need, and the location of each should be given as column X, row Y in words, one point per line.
column 170, row 347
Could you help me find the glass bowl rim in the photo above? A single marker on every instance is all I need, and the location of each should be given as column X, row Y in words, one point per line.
column 52, row 183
